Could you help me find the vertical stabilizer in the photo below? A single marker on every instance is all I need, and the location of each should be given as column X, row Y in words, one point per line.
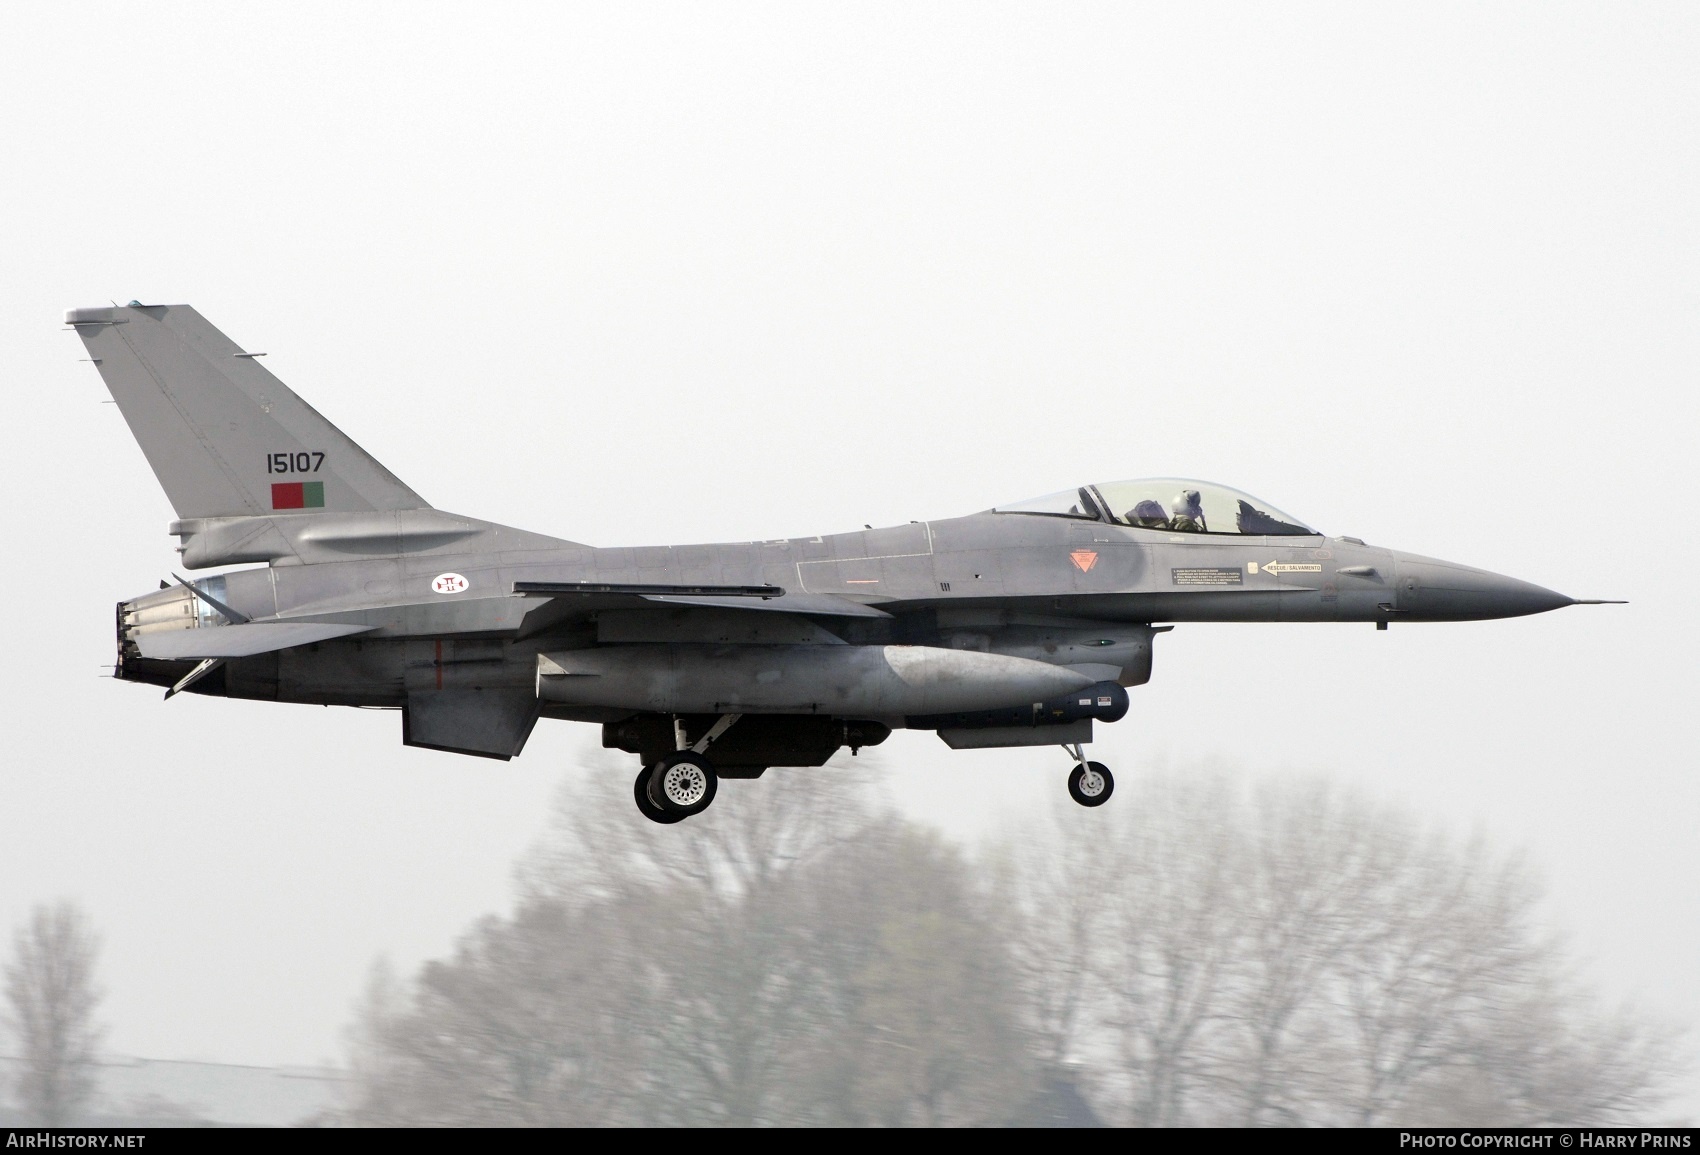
column 225, row 437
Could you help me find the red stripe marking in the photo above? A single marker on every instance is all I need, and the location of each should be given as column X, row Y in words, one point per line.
column 288, row 495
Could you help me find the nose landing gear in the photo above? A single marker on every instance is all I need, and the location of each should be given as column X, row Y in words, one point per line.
column 1089, row 783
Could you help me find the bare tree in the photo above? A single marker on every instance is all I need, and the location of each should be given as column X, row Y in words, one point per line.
column 916, row 992
column 51, row 1000
column 529, row 1024
column 797, row 954
column 1176, row 937
column 723, row 954
column 1293, row 954
column 1051, row 882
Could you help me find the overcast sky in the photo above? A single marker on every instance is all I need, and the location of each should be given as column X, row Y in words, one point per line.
column 1424, row 275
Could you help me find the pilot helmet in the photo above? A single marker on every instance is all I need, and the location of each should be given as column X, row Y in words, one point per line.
column 1187, row 503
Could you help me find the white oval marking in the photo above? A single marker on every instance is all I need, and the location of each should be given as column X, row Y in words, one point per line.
column 449, row 583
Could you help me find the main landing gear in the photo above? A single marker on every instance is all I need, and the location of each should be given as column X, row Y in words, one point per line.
column 1089, row 783
column 684, row 782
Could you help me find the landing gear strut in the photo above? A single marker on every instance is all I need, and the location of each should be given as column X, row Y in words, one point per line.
column 1090, row 783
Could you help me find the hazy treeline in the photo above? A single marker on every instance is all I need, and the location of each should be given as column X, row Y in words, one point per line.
column 1200, row 951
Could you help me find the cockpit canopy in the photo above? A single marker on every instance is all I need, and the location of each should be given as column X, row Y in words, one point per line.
column 1171, row 504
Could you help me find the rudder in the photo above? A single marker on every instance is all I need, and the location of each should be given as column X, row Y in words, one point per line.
column 224, row 436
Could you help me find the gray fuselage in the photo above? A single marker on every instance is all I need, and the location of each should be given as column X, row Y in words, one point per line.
column 1077, row 593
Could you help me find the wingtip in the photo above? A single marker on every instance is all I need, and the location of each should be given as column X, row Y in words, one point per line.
column 1598, row 602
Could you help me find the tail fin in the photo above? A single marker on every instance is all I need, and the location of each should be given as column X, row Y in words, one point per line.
column 225, row 437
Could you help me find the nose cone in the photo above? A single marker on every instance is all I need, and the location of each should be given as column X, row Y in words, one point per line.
column 1443, row 591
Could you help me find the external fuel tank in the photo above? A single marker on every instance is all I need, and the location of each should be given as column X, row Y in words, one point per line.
column 846, row 681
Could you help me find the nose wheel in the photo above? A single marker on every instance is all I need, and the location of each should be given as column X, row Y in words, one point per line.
column 1089, row 783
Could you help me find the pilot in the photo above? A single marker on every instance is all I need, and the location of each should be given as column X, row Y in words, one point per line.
column 1149, row 514
column 1187, row 512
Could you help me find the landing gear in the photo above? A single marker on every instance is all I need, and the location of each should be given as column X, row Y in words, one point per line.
column 1090, row 783
column 682, row 784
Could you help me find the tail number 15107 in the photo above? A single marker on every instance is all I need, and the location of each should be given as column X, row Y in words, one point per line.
column 303, row 462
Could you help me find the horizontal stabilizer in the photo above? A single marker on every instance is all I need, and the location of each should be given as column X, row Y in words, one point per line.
column 241, row 641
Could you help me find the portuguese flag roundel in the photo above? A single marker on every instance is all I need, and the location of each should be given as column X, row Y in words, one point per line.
column 298, row 495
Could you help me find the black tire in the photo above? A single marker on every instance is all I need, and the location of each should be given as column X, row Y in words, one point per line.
column 646, row 807
column 683, row 784
column 1076, row 783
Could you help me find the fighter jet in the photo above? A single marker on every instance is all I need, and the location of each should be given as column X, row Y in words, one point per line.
column 1022, row 625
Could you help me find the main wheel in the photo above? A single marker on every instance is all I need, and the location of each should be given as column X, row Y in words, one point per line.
column 683, row 784
column 647, row 808
column 1091, row 784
